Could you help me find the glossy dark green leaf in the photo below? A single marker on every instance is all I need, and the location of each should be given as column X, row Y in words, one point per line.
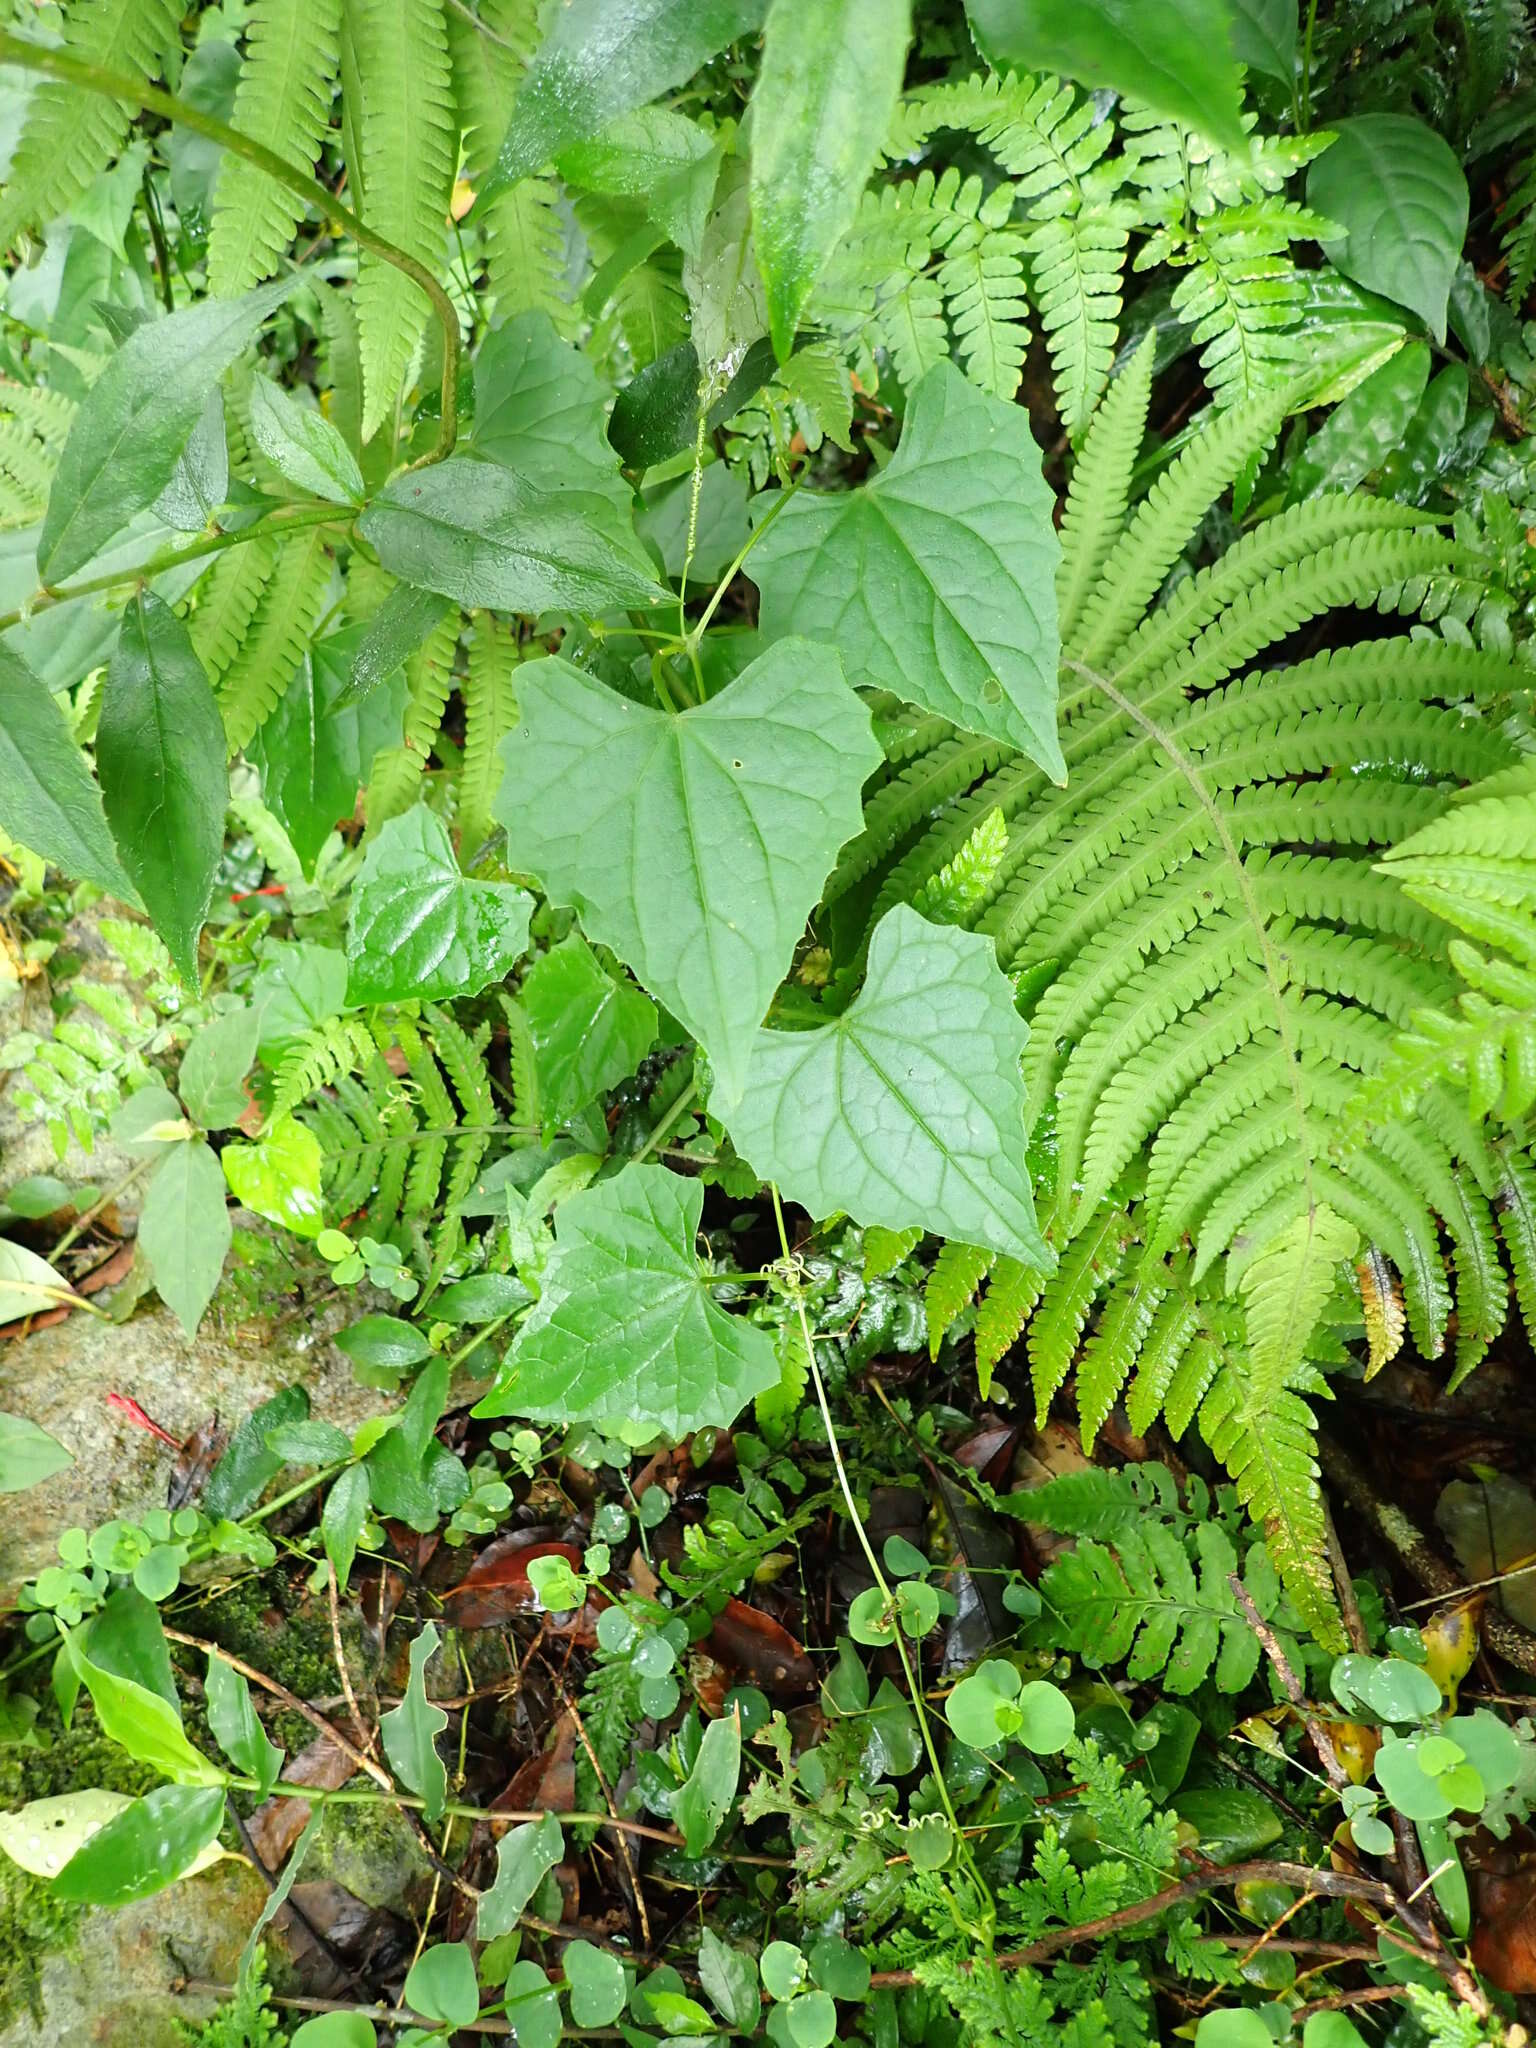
column 342, row 1519
column 302, row 445
column 908, row 1109
column 656, row 415
column 318, row 746
column 237, row 1727
column 148, row 1846
column 399, row 626
column 28, row 1454
column 184, row 1229
column 128, row 1638
column 419, row 927
column 161, row 758
column 214, row 1066
column 827, row 87
column 936, row 578
column 704, row 1798
column 1177, row 56
column 483, row 535
column 625, row 1333
column 48, row 800
column 695, row 844
column 410, row 1731
column 1398, row 192
column 541, row 408
column 601, row 59
column 590, row 1028
column 247, row 1467
column 1233, row 1823
column 136, row 419
column 1264, row 37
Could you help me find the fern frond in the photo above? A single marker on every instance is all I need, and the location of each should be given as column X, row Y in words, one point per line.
column 318, row 1059
column 1088, row 1264
column 1171, row 1333
column 409, row 144
column 273, row 644
column 283, row 99
column 1112, row 1350
column 1518, row 240
column 962, row 884
column 1381, row 1304
column 397, row 771
column 490, row 53
column 70, row 134
column 1099, row 490
column 489, row 696
column 525, row 253
column 1146, row 1604
column 1012, row 1291
column 957, row 1272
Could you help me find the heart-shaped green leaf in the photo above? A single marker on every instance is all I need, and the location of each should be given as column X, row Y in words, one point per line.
column 625, row 1333
column 693, row 843
column 908, row 1109
column 419, row 927
column 937, row 579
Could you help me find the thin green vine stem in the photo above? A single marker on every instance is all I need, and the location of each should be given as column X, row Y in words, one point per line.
column 669, row 1122
column 914, row 1685
column 696, row 632
column 49, row 595
column 122, row 85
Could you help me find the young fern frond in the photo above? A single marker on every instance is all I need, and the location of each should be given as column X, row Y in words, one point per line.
column 275, row 637
column 957, row 1272
column 397, row 771
column 1147, row 1603
column 408, row 137
column 70, row 134
column 489, row 695
column 283, row 99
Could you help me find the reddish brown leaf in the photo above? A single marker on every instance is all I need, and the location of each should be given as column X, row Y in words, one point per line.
column 760, row 1650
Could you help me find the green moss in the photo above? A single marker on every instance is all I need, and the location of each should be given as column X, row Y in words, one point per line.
column 297, row 1652
column 33, row 1923
column 69, row 1760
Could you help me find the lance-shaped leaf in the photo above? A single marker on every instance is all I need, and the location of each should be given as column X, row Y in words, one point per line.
column 908, row 1110
column 1177, row 56
column 160, row 754
column 47, row 798
column 602, row 59
column 485, row 536
column 820, row 111
column 411, row 1730
column 127, row 437
column 419, row 927
column 625, row 1333
column 150, row 1844
column 237, row 1727
column 937, row 579
column 695, row 843
column 184, row 1230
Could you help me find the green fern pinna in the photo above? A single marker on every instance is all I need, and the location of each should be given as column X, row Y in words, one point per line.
column 1218, row 964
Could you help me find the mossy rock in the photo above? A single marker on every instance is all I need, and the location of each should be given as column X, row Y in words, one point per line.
column 101, row 1979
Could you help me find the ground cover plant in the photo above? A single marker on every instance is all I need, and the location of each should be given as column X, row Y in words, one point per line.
column 768, row 818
